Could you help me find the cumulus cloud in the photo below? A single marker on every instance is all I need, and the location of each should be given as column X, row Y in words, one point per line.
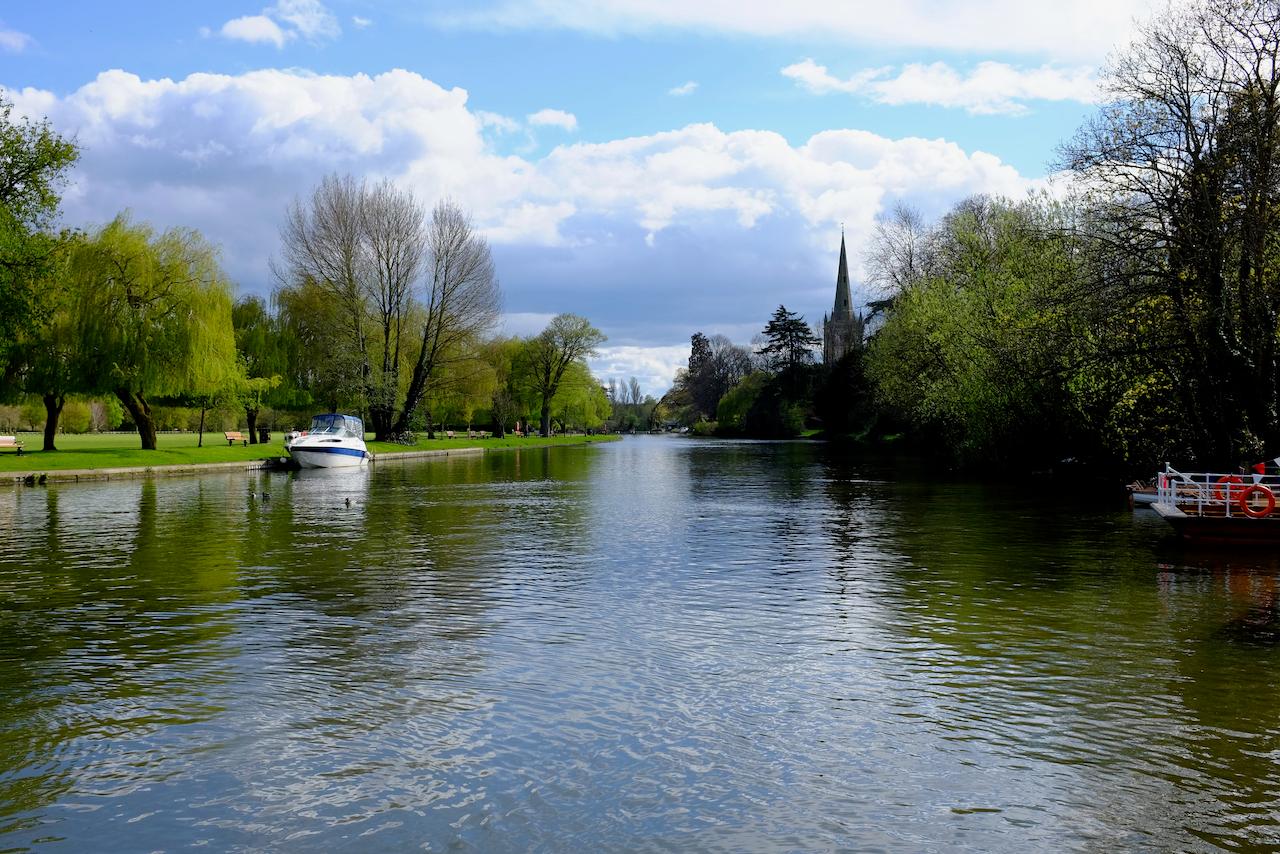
column 687, row 88
column 360, row 23
column 1082, row 29
column 286, row 20
column 12, row 41
column 254, row 29
column 554, row 118
column 990, row 87
column 738, row 221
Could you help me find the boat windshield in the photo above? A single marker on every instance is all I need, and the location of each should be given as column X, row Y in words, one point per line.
column 347, row 426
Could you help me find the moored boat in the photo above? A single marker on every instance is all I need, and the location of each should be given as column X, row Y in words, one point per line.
column 1211, row 507
column 332, row 441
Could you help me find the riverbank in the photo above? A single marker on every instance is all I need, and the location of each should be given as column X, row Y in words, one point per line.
column 116, row 455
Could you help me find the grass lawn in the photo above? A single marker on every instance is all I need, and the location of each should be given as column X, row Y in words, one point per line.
column 115, row 450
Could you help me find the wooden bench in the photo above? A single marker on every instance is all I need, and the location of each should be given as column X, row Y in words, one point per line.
column 11, row 442
column 234, row 436
column 449, row 433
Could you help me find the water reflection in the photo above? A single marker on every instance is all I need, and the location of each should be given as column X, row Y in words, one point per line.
column 654, row 644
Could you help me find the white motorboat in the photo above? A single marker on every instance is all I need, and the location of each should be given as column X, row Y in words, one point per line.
column 332, row 441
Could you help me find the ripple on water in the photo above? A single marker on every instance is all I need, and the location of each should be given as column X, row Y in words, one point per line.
column 651, row 645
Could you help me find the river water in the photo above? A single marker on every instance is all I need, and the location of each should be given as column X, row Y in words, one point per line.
column 655, row 644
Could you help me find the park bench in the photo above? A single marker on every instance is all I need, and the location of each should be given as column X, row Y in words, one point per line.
column 234, row 436
column 448, row 433
column 11, row 442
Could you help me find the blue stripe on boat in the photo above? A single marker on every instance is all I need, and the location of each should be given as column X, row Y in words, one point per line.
column 351, row 452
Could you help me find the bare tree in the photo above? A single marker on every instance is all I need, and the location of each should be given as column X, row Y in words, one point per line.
column 322, row 244
column 567, row 339
column 363, row 245
column 392, row 225
column 461, row 302
column 898, row 254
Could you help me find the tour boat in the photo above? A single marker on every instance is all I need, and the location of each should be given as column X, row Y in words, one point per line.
column 1211, row 507
column 332, row 441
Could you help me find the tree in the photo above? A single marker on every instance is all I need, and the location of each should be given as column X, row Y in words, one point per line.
column 567, row 339
column 47, row 357
column 716, row 365
column 154, row 316
column 979, row 354
column 34, row 161
column 790, row 341
column 460, row 305
column 262, row 343
column 320, row 364
column 362, row 245
column 1182, row 170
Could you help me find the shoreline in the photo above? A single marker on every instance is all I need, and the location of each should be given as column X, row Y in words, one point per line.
column 42, row 477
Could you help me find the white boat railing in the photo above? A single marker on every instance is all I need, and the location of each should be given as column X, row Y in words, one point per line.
column 1211, row 493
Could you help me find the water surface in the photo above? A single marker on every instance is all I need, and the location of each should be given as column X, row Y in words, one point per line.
column 658, row 644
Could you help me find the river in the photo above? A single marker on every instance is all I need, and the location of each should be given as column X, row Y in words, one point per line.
column 656, row 644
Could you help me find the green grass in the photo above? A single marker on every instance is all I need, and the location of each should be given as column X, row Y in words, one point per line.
column 117, row 450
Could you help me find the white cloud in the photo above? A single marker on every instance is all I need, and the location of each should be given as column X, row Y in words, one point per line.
column 497, row 121
column 360, row 23
column 991, row 87
column 309, row 18
column 1085, row 29
column 653, row 367
column 687, row 88
column 738, row 216
column 12, row 41
column 254, row 29
column 285, row 21
column 554, row 118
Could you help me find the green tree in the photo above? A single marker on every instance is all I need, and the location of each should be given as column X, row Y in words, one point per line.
column 34, row 161
column 154, row 317
column 790, row 340
column 568, row 339
column 1180, row 166
column 978, row 352
column 321, row 365
column 48, row 356
column 262, row 344
column 737, row 402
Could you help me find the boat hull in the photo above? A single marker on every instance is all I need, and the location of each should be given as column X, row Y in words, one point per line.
column 313, row 457
column 1221, row 530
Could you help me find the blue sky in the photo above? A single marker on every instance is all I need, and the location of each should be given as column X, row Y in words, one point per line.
column 661, row 167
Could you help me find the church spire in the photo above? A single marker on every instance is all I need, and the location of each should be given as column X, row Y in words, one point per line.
column 844, row 303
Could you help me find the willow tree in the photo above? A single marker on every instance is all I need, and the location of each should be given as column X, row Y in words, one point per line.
column 154, row 316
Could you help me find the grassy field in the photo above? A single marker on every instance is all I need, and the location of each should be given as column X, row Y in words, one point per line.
column 116, row 450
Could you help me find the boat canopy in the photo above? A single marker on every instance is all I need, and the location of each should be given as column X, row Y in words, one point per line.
column 337, row 425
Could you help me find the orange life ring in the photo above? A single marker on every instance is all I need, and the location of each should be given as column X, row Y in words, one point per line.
column 1268, row 498
column 1226, row 480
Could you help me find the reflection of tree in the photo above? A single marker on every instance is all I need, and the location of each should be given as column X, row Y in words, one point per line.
column 111, row 628
column 1037, row 634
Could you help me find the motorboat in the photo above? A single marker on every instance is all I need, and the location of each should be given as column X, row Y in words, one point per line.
column 332, row 441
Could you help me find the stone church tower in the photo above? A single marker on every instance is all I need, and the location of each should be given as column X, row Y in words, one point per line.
column 842, row 329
